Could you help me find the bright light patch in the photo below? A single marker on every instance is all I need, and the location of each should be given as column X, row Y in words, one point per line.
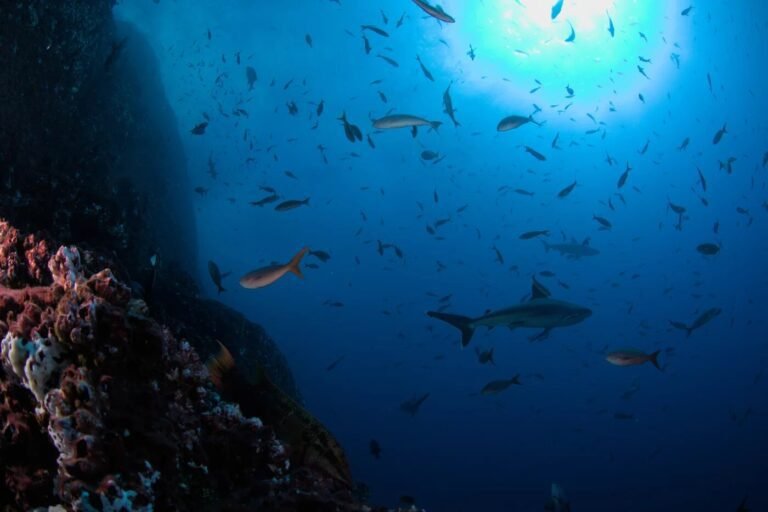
column 523, row 56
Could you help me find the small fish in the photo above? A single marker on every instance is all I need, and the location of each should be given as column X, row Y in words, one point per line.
column 375, row 30
column 567, row 190
column 623, row 178
column 425, row 70
column 471, row 52
column 603, row 222
column 114, row 53
column 513, row 122
column 265, row 276
column 292, row 204
column 686, row 11
column 321, row 255
column 719, row 135
column 703, row 319
column 199, row 128
column 351, row 131
column 251, row 77
column 436, row 11
column 448, row 104
column 403, row 121
column 645, row 148
column 535, row 154
column 388, row 60
column 367, row 45
column 412, row 406
column 216, row 276
column 611, row 29
column 201, row 190
column 485, row 356
column 528, row 235
column 556, row 9
column 499, row 256
column 702, row 181
column 497, row 386
column 632, row 357
column 266, row 200
column 684, row 145
column 382, row 97
column 708, row 249
column 642, row 71
column 308, row 40
column 334, row 364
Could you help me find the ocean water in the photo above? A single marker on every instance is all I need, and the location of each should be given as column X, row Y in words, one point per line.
column 689, row 437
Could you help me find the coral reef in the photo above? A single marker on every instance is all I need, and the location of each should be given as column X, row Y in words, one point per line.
column 101, row 408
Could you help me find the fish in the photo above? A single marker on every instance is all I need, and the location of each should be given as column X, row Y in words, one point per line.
column 632, row 357
column 523, row 192
column 611, row 28
column 623, row 178
column 375, row 448
column 642, row 71
column 308, row 40
column 334, row 364
column 533, row 234
column 540, row 312
column 765, row 159
column 250, row 76
column 567, row 190
column 292, row 204
column 719, row 135
column 535, row 154
column 424, row 69
column 708, row 249
column 321, row 255
column 312, row 445
column 702, row 319
column 485, row 356
column 392, row 62
column 572, row 250
column 572, row 37
column 448, row 104
column 403, row 121
column 375, row 30
column 436, row 11
column 686, row 11
column 645, row 147
column 413, row 405
column 383, row 97
column 513, row 122
column 201, row 190
column 603, row 222
column 556, row 9
column 216, row 276
column 471, row 53
column 497, row 386
column 367, row 45
column 499, row 256
column 351, row 131
column 266, row 200
column 265, row 276
column 199, row 128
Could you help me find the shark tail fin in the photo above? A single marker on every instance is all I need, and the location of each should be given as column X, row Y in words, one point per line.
column 654, row 359
column 221, row 289
column 435, row 125
column 293, row 265
column 462, row 323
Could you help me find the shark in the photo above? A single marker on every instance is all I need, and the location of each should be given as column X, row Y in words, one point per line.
column 540, row 311
column 573, row 250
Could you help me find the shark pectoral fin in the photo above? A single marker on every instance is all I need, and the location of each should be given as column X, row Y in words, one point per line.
column 541, row 336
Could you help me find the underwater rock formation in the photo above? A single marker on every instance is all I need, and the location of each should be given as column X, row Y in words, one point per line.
column 101, row 408
column 89, row 147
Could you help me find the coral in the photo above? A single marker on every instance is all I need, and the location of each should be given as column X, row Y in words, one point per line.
column 101, row 408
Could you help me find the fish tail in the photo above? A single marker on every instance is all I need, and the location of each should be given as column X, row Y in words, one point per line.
column 435, row 125
column 654, row 359
column 293, row 265
column 688, row 331
column 221, row 289
column 462, row 323
column 220, row 364
column 516, row 380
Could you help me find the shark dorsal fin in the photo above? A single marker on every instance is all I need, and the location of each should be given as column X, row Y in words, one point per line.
column 538, row 290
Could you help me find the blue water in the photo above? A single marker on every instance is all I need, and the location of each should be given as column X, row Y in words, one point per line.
column 696, row 439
